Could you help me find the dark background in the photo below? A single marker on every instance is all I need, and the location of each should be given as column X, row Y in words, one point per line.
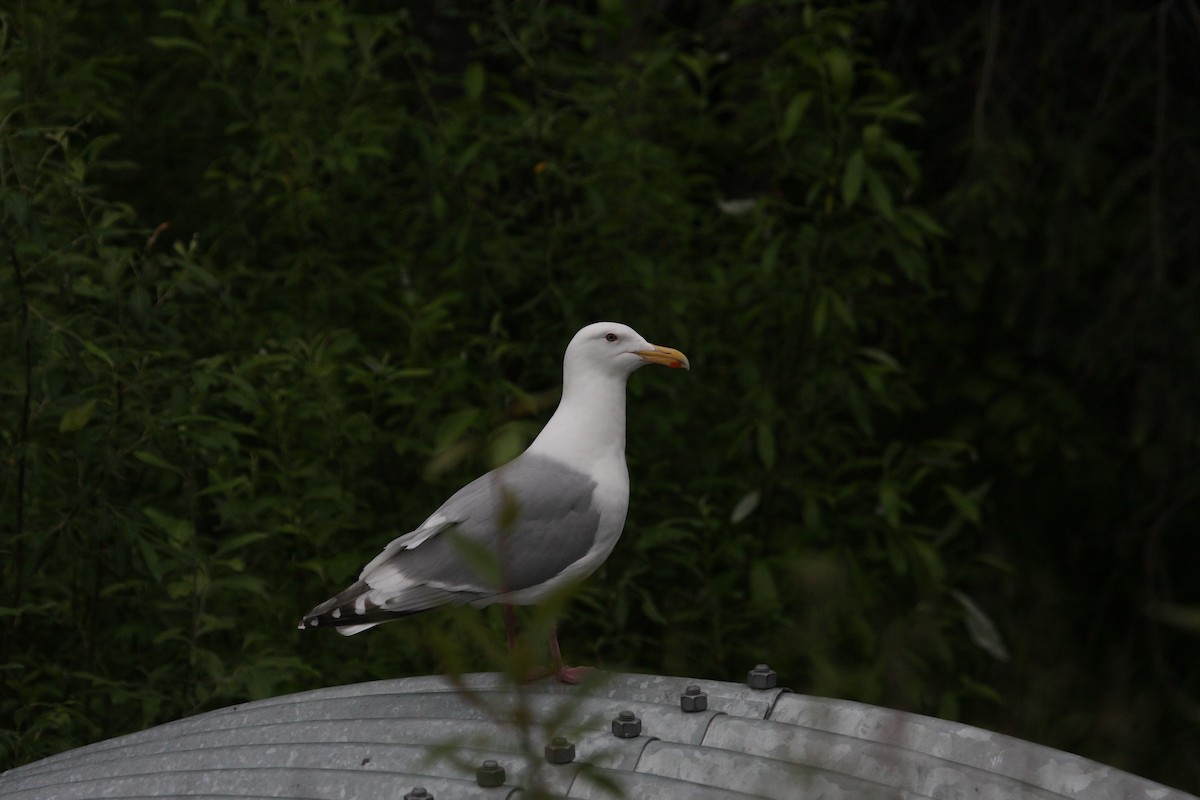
column 278, row 277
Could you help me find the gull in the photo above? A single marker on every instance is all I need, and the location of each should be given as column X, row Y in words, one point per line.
column 546, row 519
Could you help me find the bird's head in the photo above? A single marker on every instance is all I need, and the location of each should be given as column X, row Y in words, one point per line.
column 616, row 349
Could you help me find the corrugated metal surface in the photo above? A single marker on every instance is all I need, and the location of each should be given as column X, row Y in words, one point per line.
column 383, row 739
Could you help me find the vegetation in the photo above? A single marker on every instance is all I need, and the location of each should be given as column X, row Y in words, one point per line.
column 278, row 277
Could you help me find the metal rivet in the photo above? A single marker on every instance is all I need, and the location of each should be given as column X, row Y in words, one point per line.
column 560, row 751
column 761, row 677
column 626, row 725
column 418, row 793
column 490, row 774
column 693, row 699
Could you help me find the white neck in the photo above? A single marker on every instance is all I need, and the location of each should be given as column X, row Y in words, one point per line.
column 589, row 424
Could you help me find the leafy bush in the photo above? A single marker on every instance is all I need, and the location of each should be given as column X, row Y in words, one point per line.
column 280, row 277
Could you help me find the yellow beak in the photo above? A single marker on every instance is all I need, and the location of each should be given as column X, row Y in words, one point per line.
column 667, row 356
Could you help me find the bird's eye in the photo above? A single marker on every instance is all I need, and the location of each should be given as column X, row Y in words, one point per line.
column 610, row 337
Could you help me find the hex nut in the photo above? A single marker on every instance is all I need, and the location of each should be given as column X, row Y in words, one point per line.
column 560, row 751
column 693, row 700
column 626, row 725
column 490, row 774
column 761, row 677
column 419, row 793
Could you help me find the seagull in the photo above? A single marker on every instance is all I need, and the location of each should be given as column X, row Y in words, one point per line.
column 546, row 519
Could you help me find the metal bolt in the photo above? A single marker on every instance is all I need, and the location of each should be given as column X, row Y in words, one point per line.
column 418, row 793
column 490, row 774
column 693, row 699
column 560, row 751
column 626, row 725
column 761, row 677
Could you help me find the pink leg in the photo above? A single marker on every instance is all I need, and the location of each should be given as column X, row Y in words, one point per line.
column 563, row 673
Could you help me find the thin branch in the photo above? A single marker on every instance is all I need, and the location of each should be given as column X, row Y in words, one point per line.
column 512, row 40
column 1157, row 255
column 989, row 67
column 18, row 550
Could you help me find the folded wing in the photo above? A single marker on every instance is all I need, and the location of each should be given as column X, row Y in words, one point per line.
column 514, row 528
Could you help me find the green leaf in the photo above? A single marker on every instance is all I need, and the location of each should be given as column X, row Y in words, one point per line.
column 695, row 66
column 872, row 136
column 146, row 457
column 175, row 43
column 139, row 304
column 926, row 222
column 96, row 351
column 651, row 610
column 453, row 426
column 479, row 558
column 771, row 253
column 930, row 558
column 763, row 592
column 238, row 542
column 437, row 202
column 841, row 71
column 765, row 440
column 745, row 507
column 77, row 417
column 794, row 114
column 202, row 276
column 820, row 317
column 16, row 204
column 980, row 628
column 474, row 80
column 841, row 309
column 1184, row 617
column 881, row 356
column 508, row 442
column 852, row 178
column 962, row 502
column 177, row 530
column 880, row 196
column 890, row 503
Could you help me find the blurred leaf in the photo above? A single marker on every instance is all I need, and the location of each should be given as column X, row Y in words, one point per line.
column 474, row 80
column 147, row 457
column 890, row 504
column 1183, row 617
column 793, row 115
column 762, row 588
column 982, row 630
column 77, row 417
column 651, row 610
column 962, row 503
column 453, row 426
column 765, row 440
column 99, row 353
column 745, row 507
column 176, row 43
column 841, row 71
column 880, row 195
column 177, row 530
column 852, row 178
column 507, row 443
column 139, row 304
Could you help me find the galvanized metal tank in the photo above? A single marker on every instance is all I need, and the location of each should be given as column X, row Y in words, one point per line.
column 481, row 736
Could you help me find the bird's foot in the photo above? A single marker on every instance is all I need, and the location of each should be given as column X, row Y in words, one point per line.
column 571, row 675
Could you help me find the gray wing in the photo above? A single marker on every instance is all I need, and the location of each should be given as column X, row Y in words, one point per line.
column 515, row 527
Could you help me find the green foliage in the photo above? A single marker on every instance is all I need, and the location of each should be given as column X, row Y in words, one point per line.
column 278, row 277
column 1068, row 354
